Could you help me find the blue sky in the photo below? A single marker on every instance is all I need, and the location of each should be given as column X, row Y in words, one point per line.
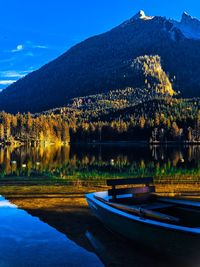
column 33, row 33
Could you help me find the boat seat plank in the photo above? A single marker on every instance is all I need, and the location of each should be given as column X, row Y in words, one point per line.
column 181, row 202
column 131, row 190
column 126, row 181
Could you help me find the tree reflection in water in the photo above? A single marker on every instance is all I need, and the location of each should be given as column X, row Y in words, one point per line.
column 93, row 162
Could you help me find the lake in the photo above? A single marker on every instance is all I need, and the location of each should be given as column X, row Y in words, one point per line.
column 90, row 162
column 44, row 221
column 27, row 241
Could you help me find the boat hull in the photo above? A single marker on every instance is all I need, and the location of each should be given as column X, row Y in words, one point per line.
column 157, row 237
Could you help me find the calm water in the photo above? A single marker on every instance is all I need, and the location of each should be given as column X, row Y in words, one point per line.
column 42, row 237
column 27, row 241
column 91, row 162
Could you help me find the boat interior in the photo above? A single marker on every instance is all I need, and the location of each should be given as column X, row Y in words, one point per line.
column 144, row 202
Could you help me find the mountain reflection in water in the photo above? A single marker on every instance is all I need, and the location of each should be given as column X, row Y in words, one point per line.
column 27, row 241
column 84, row 230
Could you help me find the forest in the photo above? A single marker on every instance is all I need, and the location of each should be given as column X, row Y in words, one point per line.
column 26, row 128
column 107, row 118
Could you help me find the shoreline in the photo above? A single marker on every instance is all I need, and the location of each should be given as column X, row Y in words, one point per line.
column 98, row 143
column 137, row 142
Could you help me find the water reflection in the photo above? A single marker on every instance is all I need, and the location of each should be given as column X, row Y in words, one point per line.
column 83, row 229
column 27, row 241
column 80, row 161
column 116, row 251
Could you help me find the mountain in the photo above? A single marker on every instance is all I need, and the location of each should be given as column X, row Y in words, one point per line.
column 106, row 62
column 149, row 75
column 189, row 26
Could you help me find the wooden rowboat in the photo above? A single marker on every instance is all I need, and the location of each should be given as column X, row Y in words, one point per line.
column 137, row 213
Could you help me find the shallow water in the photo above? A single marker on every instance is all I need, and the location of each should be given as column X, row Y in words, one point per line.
column 25, row 240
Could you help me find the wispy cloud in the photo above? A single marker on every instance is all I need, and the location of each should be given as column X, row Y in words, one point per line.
column 6, row 82
column 41, row 46
column 19, row 48
column 28, row 46
column 13, row 74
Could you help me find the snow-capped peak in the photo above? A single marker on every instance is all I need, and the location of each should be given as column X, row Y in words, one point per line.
column 186, row 17
column 189, row 26
column 141, row 15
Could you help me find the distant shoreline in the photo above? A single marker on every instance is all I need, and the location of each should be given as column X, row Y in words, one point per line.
column 109, row 143
column 135, row 142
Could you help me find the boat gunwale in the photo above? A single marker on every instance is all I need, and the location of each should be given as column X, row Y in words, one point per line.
column 146, row 221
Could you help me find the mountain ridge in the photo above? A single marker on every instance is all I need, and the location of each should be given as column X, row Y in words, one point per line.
column 103, row 63
column 189, row 26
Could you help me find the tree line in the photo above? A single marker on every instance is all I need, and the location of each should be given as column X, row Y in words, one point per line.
column 156, row 120
column 27, row 128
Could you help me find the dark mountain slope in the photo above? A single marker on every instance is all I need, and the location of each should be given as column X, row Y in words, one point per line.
column 103, row 63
